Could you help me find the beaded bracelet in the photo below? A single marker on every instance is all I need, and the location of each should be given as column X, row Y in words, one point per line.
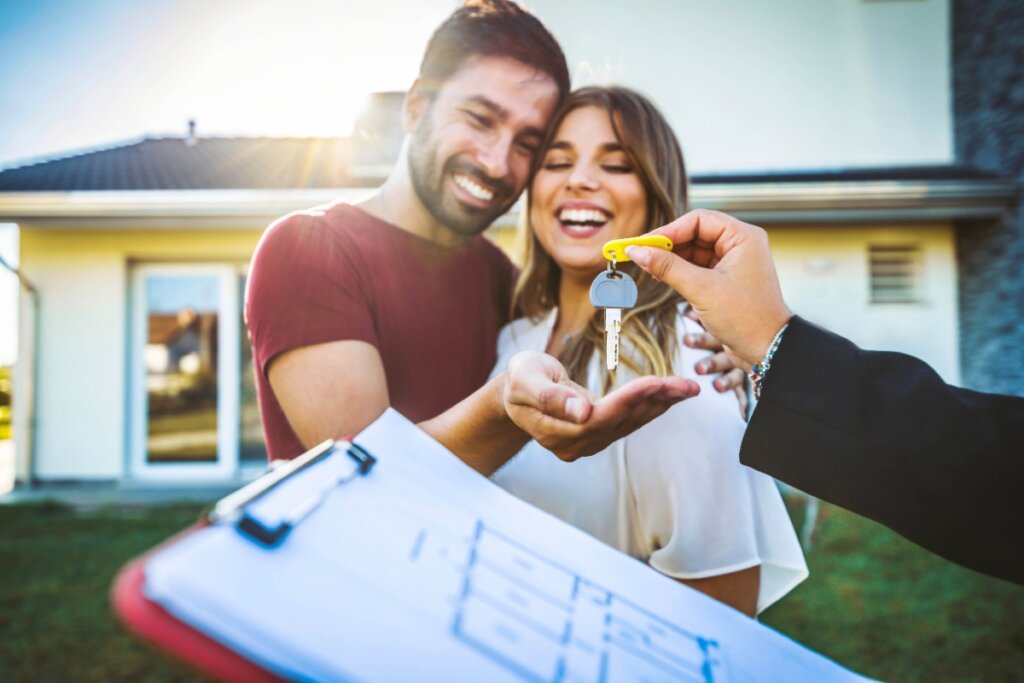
column 758, row 372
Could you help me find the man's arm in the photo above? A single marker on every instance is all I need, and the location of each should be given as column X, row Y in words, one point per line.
column 329, row 391
column 332, row 390
column 534, row 398
column 880, row 433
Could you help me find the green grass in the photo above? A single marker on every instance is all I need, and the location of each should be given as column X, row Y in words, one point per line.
column 874, row 602
column 885, row 608
column 56, row 568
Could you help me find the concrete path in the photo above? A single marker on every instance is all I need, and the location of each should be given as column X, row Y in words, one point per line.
column 91, row 496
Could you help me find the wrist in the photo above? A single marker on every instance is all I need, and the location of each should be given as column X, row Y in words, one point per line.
column 759, row 371
column 767, row 328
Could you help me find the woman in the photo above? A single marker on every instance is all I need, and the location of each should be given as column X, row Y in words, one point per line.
column 672, row 493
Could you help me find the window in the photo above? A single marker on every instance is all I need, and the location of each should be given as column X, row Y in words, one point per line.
column 194, row 412
column 894, row 273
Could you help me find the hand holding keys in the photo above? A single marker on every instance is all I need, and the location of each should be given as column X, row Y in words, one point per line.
column 613, row 290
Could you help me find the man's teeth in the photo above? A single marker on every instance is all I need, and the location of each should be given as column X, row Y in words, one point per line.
column 478, row 191
column 582, row 216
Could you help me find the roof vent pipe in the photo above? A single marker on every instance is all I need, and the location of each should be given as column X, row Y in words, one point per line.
column 191, row 139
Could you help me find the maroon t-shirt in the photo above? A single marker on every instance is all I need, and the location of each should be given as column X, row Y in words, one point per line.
column 336, row 272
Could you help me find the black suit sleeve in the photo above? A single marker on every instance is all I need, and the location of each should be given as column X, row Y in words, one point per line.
column 881, row 434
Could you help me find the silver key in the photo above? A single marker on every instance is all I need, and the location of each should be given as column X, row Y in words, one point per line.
column 612, row 291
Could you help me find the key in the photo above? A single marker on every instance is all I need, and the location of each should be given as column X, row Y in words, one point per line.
column 613, row 291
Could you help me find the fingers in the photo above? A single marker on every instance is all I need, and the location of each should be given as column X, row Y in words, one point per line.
column 713, row 365
column 703, row 340
column 699, row 227
column 742, row 398
column 619, row 413
column 538, row 381
column 679, row 274
column 731, row 380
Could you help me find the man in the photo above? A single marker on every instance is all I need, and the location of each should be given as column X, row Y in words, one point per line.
column 398, row 301
column 878, row 433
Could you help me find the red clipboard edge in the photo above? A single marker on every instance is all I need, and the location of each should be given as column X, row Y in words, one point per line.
column 153, row 623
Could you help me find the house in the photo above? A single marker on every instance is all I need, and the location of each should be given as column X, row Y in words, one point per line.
column 134, row 365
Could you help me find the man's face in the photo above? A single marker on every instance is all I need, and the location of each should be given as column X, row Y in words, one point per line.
column 475, row 140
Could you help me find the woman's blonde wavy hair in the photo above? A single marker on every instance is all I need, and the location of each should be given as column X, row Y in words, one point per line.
column 650, row 326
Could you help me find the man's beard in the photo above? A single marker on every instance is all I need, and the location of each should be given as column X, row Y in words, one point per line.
column 429, row 176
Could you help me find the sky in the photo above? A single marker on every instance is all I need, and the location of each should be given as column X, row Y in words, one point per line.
column 80, row 74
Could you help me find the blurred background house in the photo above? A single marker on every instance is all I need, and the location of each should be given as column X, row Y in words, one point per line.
column 881, row 143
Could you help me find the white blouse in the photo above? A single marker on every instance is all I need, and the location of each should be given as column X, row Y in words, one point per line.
column 673, row 493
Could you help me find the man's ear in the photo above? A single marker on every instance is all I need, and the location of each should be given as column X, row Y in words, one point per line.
column 417, row 103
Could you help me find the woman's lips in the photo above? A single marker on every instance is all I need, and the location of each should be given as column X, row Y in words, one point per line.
column 582, row 221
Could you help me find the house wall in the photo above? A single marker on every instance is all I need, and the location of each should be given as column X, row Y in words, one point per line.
column 753, row 85
column 825, row 278
column 82, row 277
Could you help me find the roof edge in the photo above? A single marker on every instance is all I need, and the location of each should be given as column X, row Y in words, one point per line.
column 808, row 201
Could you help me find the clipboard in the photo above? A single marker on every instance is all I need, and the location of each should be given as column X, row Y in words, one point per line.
column 394, row 561
column 152, row 622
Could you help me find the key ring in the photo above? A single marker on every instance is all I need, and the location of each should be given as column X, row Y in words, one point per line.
column 612, row 272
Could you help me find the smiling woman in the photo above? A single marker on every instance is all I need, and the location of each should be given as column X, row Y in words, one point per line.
column 672, row 493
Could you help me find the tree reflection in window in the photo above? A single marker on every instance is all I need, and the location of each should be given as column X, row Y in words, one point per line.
column 181, row 368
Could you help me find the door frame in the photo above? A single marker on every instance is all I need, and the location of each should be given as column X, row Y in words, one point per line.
column 225, row 467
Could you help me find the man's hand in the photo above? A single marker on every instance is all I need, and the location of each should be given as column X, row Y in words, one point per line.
column 723, row 268
column 729, row 377
column 568, row 420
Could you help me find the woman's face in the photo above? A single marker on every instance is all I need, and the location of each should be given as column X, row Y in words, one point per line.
column 585, row 193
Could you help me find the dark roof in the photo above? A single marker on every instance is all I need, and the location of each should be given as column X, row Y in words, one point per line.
column 170, row 163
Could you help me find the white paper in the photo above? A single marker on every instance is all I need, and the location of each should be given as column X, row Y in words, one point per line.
column 423, row 570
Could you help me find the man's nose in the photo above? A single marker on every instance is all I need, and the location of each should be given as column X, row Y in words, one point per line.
column 493, row 156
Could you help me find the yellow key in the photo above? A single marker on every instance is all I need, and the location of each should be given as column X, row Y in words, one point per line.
column 615, row 250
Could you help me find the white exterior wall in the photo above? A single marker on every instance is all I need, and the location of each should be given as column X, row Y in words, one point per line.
column 825, row 278
column 83, row 281
column 82, row 347
column 779, row 84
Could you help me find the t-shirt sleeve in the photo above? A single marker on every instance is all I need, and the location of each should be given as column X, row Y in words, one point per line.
column 306, row 286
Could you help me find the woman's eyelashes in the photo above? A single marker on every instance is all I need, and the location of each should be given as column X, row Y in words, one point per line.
column 617, row 167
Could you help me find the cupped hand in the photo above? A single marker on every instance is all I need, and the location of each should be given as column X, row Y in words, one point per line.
column 571, row 422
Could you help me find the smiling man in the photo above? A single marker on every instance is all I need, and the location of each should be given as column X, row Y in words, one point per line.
column 398, row 301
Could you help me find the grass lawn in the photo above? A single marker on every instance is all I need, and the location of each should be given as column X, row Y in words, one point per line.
column 874, row 602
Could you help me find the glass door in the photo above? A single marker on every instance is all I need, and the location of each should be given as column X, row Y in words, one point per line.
column 185, row 370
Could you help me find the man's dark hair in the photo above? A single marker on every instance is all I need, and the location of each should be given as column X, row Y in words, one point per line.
column 493, row 28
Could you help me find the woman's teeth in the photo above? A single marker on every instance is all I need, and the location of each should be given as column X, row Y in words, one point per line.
column 474, row 189
column 582, row 218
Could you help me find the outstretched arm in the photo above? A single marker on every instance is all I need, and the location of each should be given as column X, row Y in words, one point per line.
column 879, row 433
column 535, row 398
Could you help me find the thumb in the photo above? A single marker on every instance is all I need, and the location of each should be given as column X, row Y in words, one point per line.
column 675, row 271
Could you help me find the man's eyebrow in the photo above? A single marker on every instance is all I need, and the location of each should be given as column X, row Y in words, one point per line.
column 502, row 114
column 489, row 104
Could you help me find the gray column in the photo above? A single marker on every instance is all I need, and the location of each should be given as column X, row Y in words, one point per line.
column 988, row 114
